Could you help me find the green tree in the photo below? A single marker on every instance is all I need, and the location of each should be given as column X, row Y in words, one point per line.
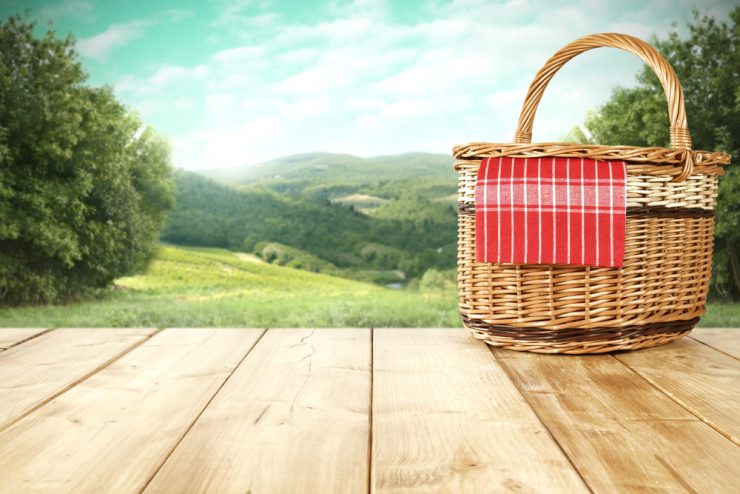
column 84, row 190
column 707, row 63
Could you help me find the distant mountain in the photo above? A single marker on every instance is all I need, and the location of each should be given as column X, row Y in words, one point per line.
column 340, row 167
column 410, row 186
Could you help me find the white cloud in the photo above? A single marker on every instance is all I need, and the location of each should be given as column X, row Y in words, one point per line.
column 316, row 80
column 224, row 147
column 100, row 45
column 78, row 9
column 176, row 15
column 367, row 9
column 363, row 104
column 240, row 15
column 170, row 74
column 306, row 108
column 183, row 104
column 363, row 84
column 300, row 55
column 239, row 54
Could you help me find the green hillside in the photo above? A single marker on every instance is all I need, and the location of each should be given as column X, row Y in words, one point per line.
column 313, row 167
column 194, row 287
column 406, row 232
column 365, row 183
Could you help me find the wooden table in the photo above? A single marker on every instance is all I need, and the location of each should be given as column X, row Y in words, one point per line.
column 357, row 410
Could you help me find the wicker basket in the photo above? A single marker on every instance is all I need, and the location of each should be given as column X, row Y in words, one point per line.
column 658, row 294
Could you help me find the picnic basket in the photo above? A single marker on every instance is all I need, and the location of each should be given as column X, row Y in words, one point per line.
column 660, row 291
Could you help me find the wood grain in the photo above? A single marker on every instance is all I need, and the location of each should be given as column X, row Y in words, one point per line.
column 703, row 380
column 13, row 336
column 446, row 418
column 43, row 367
column 112, row 410
column 293, row 418
column 111, row 432
column 726, row 340
column 621, row 433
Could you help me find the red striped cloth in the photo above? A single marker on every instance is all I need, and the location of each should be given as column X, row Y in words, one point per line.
column 550, row 211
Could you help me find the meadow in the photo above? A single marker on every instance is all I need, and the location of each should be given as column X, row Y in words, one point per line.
column 199, row 287
column 206, row 287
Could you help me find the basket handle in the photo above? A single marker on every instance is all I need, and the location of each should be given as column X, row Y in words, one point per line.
column 680, row 137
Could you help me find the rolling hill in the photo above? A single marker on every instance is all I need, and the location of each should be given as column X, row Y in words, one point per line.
column 418, row 235
column 313, row 167
column 369, row 184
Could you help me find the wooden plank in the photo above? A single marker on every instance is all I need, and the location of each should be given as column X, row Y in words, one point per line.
column 703, row 380
column 111, row 432
column 293, row 418
column 621, row 433
column 446, row 418
column 39, row 369
column 13, row 336
column 726, row 340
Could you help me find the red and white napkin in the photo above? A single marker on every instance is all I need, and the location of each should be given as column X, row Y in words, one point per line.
column 551, row 211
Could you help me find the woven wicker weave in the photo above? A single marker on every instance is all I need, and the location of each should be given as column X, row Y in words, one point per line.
column 659, row 293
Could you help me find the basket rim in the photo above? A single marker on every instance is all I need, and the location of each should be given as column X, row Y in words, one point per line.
column 632, row 154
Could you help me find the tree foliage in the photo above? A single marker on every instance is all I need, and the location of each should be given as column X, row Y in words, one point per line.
column 707, row 63
column 212, row 215
column 83, row 189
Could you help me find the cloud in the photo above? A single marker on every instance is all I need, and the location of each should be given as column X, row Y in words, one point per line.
column 243, row 14
column 100, row 45
column 77, row 9
column 239, row 54
column 171, row 74
column 360, row 82
column 224, row 146
column 176, row 15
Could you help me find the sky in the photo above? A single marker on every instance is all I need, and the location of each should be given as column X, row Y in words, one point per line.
column 238, row 82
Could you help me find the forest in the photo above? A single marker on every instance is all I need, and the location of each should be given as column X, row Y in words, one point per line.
column 323, row 223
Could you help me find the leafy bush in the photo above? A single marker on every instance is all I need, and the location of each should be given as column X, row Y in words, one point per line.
column 435, row 280
column 380, row 256
column 284, row 255
column 83, row 189
column 707, row 63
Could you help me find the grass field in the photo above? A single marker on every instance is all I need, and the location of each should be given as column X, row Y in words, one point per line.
column 194, row 287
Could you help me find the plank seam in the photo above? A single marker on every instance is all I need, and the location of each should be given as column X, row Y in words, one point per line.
column 370, row 414
column 205, row 407
column 713, row 347
column 509, row 374
column 678, row 402
column 78, row 381
column 43, row 332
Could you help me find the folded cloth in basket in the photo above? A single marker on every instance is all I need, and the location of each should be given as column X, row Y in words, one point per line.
column 550, row 211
